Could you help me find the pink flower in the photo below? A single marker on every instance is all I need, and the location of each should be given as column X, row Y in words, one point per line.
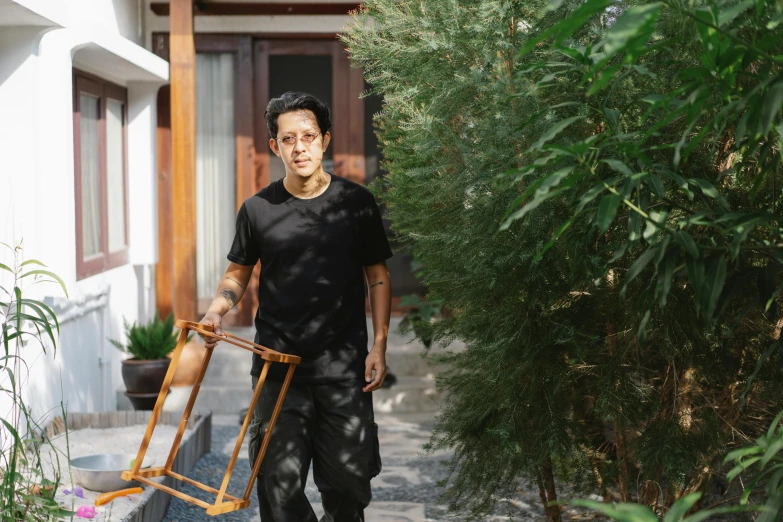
column 86, row 512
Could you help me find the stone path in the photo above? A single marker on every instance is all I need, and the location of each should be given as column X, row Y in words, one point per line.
column 405, row 491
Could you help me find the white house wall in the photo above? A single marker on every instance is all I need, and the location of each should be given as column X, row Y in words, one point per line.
column 37, row 194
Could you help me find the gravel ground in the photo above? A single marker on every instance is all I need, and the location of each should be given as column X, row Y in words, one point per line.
column 407, row 477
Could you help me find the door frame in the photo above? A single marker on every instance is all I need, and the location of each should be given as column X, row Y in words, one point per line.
column 241, row 47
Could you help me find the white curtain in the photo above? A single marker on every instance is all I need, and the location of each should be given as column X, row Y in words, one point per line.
column 115, row 163
column 89, row 108
column 215, row 168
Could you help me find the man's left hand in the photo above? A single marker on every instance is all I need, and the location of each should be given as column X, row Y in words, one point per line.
column 376, row 360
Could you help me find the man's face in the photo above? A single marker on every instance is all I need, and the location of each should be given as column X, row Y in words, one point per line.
column 299, row 143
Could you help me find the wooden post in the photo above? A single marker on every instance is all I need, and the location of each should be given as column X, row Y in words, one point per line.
column 182, row 59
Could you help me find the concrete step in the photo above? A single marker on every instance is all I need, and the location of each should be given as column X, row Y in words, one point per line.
column 409, row 395
column 230, row 366
column 404, row 356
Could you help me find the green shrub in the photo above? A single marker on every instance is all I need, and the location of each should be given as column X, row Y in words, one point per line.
column 593, row 190
column 154, row 340
column 761, row 464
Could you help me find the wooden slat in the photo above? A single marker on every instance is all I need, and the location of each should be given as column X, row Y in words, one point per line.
column 157, row 471
column 243, row 8
column 266, row 353
column 183, row 159
column 183, row 423
column 201, row 486
column 164, row 390
column 238, row 446
column 172, row 492
column 270, row 428
column 227, row 507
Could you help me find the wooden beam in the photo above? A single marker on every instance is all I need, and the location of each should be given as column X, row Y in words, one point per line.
column 242, row 8
column 164, row 286
column 182, row 59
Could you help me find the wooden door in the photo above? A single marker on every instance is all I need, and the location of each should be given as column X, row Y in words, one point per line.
column 274, row 64
column 240, row 47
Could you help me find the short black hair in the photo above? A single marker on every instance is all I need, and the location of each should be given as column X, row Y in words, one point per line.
column 297, row 101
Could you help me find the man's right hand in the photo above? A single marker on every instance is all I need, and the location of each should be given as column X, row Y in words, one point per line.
column 214, row 319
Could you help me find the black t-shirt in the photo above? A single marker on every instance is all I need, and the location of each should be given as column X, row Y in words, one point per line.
column 311, row 289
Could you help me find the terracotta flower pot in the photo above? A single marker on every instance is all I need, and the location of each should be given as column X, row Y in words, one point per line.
column 144, row 376
column 189, row 363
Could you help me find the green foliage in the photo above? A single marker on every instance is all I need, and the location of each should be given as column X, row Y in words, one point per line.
column 593, row 189
column 154, row 340
column 25, row 493
column 761, row 459
column 419, row 317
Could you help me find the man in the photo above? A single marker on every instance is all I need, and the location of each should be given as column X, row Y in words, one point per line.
column 318, row 237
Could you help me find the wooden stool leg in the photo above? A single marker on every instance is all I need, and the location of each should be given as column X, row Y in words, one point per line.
column 164, row 390
column 240, row 439
column 183, row 423
column 272, row 421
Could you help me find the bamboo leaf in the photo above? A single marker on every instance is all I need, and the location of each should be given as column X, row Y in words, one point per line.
column 775, row 20
column 727, row 14
column 640, row 264
column 774, row 425
column 6, row 268
column 42, row 320
column 681, row 507
column 621, row 512
column 18, row 442
column 740, row 467
column 45, row 308
column 704, row 515
column 554, row 130
column 551, row 242
column 741, row 452
column 708, row 189
column 687, row 243
column 48, row 274
column 18, row 293
column 634, row 22
column 567, row 26
column 771, row 107
column 607, row 210
column 32, row 262
column 716, row 277
column 618, row 166
column 772, row 451
column 657, row 185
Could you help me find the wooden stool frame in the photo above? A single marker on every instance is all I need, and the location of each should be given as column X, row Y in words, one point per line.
column 234, row 503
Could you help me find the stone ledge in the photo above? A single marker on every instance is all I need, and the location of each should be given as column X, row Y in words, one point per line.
column 196, row 442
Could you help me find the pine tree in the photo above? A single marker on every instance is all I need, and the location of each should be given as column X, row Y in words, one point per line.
column 611, row 322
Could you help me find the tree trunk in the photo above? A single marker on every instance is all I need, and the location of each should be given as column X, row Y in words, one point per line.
column 545, row 479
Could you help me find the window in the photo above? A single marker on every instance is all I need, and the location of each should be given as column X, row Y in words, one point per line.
column 100, row 153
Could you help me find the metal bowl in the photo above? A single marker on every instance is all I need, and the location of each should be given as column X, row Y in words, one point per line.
column 101, row 472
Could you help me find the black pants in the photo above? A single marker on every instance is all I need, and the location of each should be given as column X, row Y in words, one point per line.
column 331, row 425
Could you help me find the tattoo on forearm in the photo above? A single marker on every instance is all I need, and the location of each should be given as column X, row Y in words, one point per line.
column 376, row 284
column 237, row 282
column 230, row 296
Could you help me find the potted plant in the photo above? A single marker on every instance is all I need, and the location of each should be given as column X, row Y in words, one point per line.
column 149, row 345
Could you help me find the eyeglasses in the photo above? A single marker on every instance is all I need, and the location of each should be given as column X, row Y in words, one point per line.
column 307, row 139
